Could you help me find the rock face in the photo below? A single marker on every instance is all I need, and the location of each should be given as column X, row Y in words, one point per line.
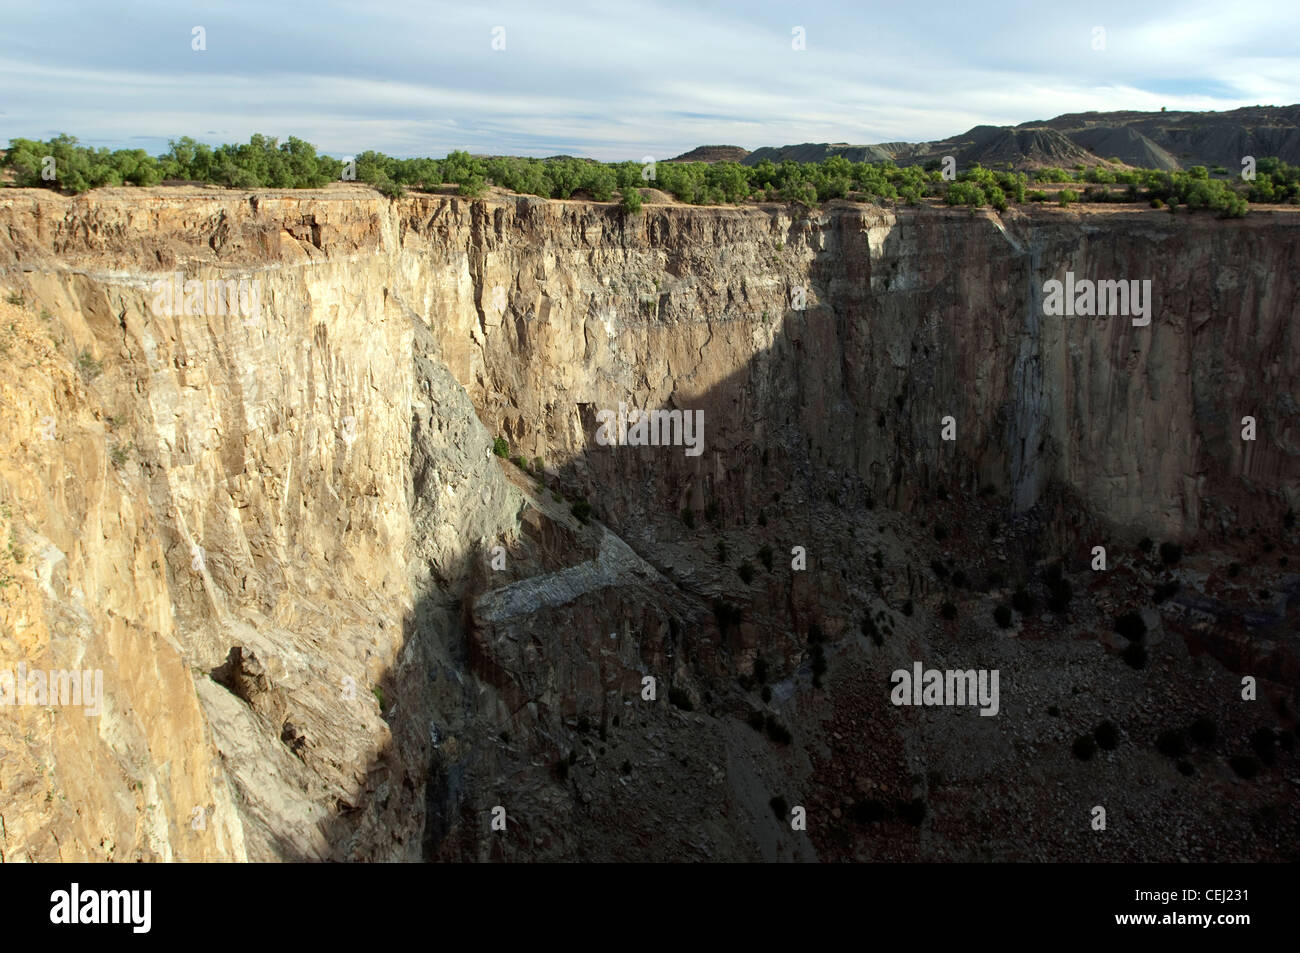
column 333, row 625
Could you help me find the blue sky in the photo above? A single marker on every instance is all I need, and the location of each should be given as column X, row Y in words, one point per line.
column 619, row 80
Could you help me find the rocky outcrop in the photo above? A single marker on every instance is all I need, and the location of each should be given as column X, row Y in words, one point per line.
column 333, row 625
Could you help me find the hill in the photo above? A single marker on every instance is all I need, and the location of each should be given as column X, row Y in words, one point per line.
column 1152, row 140
column 712, row 154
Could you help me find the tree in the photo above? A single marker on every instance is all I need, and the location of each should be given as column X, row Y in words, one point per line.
column 631, row 201
column 965, row 193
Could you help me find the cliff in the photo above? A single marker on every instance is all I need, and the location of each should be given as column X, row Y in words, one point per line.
column 273, row 530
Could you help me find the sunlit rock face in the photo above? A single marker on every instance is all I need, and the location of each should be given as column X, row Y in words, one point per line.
column 332, row 624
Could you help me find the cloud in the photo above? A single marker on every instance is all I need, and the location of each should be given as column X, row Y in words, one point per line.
column 620, row 81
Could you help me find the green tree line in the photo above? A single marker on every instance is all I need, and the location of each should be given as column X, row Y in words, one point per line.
column 262, row 162
column 266, row 162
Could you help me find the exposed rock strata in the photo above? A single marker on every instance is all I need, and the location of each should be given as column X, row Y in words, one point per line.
column 272, row 532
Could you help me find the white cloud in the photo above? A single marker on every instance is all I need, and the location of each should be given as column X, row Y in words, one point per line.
column 622, row 81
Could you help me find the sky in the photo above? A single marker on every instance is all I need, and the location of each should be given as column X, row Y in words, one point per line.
column 620, row 79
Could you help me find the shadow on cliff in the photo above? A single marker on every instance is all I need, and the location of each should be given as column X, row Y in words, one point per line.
column 788, row 438
column 795, row 436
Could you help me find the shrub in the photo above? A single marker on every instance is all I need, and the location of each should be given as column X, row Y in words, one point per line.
column 1165, row 590
column 582, row 510
column 1107, row 735
column 1245, row 766
column 1037, row 195
column 688, row 517
column 722, row 552
column 1022, row 601
column 1170, row 553
column 965, row 193
column 780, row 807
column 868, row 811
column 1066, row 197
column 1135, row 654
column 519, row 462
column 1084, row 747
column 725, row 613
column 88, row 366
column 631, row 200
column 756, row 720
column 912, row 811
column 777, row 731
column 1203, row 732
column 948, row 611
column 500, row 447
column 1263, row 741
column 626, row 767
column 561, row 769
column 473, row 187
column 818, row 665
column 766, row 693
column 680, row 699
column 1172, row 743
column 1145, row 544
column 939, row 569
column 1002, row 616
column 1131, row 626
column 765, row 557
column 746, row 572
column 908, row 608
column 1059, row 590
